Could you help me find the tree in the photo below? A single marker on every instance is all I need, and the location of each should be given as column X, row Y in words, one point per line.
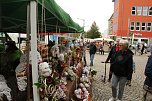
column 93, row 32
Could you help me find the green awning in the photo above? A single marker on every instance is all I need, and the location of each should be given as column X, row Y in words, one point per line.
column 13, row 15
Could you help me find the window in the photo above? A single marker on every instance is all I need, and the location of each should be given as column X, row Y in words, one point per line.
column 150, row 11
column 149, row 25
column 133, row 12
column 115, row 26
column 143, row 28
column 137, row 26
column 145, row 11
column 132, row 26
column 116, row 14
column 116, row 1
column 139, row 9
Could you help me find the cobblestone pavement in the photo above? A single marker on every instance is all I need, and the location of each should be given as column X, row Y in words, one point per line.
column 102, row 91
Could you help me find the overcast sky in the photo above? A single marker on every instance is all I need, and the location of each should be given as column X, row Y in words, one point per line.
column 90, row 10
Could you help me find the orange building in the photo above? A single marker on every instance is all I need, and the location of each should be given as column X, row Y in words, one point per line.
column 132, row 18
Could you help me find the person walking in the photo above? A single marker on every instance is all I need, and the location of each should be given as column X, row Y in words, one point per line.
column 101, row 50
column 147, row 93
column 142, row 48
column 92, row 52
column 111, row 55
column 121, row 69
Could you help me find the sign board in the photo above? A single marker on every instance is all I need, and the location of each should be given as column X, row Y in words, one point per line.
column 137, row 34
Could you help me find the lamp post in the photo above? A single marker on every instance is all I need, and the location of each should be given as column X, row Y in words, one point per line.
column 84, row 57
column 83, row 29
column 83, row 22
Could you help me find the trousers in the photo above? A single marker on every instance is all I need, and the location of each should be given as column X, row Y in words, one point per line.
column 115, row 81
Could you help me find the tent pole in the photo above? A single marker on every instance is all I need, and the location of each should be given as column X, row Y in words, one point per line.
column 28, row 53
column 19, row 40
column 33, row 23
column 0, row 17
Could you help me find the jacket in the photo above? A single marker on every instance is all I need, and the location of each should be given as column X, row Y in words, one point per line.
column 123, row 64
column 93, row 49
column 148, row 72
column 111, row 55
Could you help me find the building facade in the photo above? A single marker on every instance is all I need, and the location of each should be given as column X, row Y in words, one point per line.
column 132, row 18
column 110, row 25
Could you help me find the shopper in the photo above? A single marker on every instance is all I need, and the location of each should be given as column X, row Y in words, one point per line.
column 148, row 80
column 101, row 49
column 111, row 57
column 121, row 69
column 10, row 60
column 142, row 49
column 92, row 52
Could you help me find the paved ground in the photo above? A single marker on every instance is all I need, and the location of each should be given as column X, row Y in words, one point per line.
column 102, row 91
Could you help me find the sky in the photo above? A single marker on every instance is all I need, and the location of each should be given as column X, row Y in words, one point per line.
column 89, row 11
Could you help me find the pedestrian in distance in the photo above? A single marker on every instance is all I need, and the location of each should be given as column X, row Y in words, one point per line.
column 142, row 48
column 101, row 50
column 147, row 93
column 92, row 51
column 138, row 47
column 121, row 69
column 111, row 57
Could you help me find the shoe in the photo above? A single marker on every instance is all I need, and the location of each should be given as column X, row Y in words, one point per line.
column 112, row 99
column 128, row 83
column 109, row 80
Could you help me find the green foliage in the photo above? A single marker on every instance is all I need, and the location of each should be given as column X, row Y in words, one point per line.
column 39, row 85
column 130, row 33
column 93, row 32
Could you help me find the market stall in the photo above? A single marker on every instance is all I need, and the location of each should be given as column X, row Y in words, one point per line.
column 21, row 16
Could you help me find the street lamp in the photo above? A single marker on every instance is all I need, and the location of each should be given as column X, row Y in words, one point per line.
column 83, row 22
column 84, row 57
column 83, row 29
column 84, row 25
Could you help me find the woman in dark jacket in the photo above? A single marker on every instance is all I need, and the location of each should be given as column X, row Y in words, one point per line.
column 121, row 69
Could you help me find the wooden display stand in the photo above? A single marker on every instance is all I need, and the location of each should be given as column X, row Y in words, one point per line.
column 72, row 85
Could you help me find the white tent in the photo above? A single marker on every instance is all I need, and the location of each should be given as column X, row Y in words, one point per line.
column 103, row 39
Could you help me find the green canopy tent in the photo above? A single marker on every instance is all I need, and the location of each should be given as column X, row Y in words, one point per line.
column 13, row 17
column 16, row 17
